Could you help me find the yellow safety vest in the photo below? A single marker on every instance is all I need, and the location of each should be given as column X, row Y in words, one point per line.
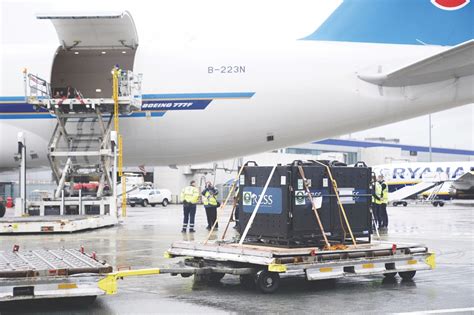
column 381, row 193
column 378, row 193
column 385, row 193
column 190, row 194
column 209, row 199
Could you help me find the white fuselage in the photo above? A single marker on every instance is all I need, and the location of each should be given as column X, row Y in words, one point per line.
column 302, row 91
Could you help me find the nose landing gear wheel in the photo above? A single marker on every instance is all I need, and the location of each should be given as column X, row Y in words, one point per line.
column 267, row 282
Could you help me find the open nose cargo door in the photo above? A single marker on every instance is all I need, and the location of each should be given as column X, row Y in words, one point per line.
column 90, row 45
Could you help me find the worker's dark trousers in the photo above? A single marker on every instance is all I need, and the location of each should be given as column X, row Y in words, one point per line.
column 383, row 215
column 376, row 209
column 189, row 211
column 211, row 214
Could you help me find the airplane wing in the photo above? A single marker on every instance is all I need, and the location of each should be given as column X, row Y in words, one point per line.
column 452, row 63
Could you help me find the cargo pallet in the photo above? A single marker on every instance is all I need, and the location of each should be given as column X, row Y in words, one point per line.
column 263, row 266
column 46, row 274
column 55, row 223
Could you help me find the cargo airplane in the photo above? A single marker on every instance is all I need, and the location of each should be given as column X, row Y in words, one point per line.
column 365, row 64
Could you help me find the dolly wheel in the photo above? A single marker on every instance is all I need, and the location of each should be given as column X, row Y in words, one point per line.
column 407, row 275
column 390, row 275
column 247, row 281
column 267, row 282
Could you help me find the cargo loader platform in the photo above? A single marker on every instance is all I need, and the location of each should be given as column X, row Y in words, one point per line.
column 85, row 155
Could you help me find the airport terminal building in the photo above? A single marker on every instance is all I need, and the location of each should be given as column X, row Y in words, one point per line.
column 384, row 151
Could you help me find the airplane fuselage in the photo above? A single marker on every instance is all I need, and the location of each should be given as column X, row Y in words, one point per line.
column 207, row 101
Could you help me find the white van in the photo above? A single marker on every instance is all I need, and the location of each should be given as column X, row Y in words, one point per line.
column 153, row 197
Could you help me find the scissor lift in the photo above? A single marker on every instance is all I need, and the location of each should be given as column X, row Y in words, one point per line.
column 84, row 150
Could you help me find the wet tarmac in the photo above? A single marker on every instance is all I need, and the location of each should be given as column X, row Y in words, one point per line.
column 147, row 232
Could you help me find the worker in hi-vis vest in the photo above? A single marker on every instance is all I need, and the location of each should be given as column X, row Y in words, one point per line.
column 190, row 197
column 210, row 203
column 373, row 206
column 383, row 203
column 377, row 201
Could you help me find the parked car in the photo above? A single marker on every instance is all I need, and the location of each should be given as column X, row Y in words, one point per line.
column 151, row 197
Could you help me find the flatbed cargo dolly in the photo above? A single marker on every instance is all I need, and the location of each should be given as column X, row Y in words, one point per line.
column 67, row 273
column 263, row 266
column 47, row 274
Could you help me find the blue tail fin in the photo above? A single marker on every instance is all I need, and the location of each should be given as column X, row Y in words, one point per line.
column 412, row 22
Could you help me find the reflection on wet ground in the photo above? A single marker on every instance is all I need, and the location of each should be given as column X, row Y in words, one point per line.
column 147, row 232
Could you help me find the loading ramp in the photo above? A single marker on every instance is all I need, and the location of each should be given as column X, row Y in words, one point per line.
column 411, row 191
